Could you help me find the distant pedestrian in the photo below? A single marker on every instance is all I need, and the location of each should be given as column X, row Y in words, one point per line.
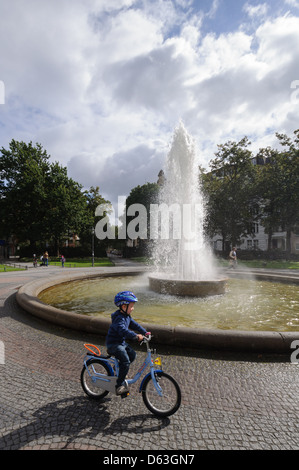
column 233, row 258
column 62, row 261
column 46, row 258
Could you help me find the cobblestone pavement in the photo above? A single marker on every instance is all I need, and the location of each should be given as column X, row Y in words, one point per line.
column 229, row 401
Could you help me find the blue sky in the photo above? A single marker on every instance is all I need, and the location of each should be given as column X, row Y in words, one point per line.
column 102, row 84
column 224, row 16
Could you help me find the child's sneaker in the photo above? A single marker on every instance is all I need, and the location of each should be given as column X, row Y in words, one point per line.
column 121, row 389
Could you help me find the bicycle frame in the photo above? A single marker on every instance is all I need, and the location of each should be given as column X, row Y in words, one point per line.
column 108, row 382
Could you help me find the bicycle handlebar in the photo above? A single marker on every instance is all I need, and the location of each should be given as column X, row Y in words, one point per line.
column 146, row 338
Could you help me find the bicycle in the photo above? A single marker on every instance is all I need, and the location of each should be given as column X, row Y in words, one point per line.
column 160, row 392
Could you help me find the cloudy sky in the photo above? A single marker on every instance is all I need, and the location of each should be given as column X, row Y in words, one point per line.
column 102, row 84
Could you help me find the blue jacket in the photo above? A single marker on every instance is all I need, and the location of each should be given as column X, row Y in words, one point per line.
column 121, row 329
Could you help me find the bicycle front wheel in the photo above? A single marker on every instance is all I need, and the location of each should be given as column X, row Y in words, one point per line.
column 170, row 400
column 89, row 386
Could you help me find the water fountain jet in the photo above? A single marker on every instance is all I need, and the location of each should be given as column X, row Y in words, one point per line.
column 182, row 258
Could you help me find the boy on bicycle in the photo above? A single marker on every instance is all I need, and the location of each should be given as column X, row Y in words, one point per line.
column 122, row 329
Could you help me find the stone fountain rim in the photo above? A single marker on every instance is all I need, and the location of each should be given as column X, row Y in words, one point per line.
column 186, row 281
column 231, row 340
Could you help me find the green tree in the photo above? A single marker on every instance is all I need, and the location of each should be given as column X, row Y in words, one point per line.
column 93, row 200
column 217, row 207
column 279, row 187
column 65, row 206
column 38, row 202
column 145, row 195
column 267, row 183
column 23, row 170
column 231, row 200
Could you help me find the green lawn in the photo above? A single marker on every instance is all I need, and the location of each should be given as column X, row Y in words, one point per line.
column 98, row 262
column 75, row 262
column 84, row 263
column 6, row 268
column 275, row 264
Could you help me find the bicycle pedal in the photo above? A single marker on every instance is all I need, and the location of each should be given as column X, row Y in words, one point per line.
column 125, row 395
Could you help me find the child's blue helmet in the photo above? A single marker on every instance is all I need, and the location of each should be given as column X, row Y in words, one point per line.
column 125, row 297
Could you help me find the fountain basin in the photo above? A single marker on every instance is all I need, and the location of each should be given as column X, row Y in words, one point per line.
column 164, row 285
column 197, row 338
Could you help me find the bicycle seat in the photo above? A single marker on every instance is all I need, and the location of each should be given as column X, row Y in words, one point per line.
column 93, row 350
column 100, row 357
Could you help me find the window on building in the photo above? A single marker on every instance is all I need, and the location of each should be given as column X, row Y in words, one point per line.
column 253, row 228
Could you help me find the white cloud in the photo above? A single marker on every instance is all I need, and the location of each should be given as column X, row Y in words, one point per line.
column 256, row 10
column 214, row 7
column 116, row 36
column 101, row 85
column 292, row 3
column 246, row 91
column 112, row 5
column 278, row 42
column 44, row 55
column 119, row 173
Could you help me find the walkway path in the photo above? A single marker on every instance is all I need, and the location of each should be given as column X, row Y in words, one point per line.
column 229, row 401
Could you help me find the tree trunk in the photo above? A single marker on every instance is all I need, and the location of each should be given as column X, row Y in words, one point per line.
column 270, row 234
column 288, row 243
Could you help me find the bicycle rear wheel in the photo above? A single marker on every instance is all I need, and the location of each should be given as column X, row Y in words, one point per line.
column 169, row 402
column 89, row 386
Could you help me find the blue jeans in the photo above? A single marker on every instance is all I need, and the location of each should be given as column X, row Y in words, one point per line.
column 125, row 355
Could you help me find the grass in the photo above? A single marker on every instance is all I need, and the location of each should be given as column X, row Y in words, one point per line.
column 84, row 262
column 271, row 264
column 75, row 262
column 102, row 262
column 6, row 268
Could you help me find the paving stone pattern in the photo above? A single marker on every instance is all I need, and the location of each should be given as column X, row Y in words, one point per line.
column 229, row 401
